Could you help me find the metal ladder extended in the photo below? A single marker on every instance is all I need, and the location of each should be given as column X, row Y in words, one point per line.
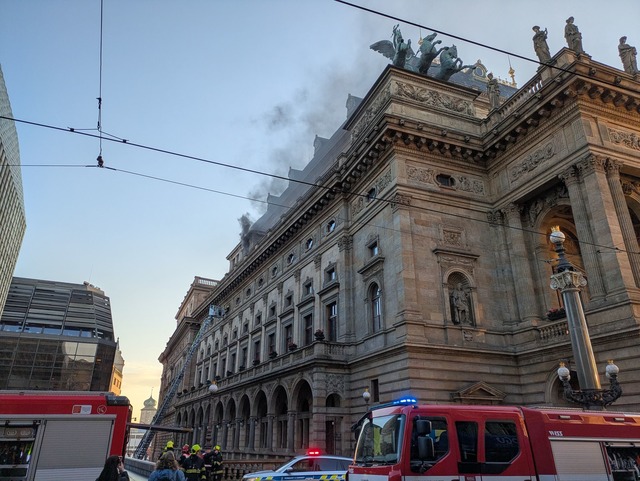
column 145, row 442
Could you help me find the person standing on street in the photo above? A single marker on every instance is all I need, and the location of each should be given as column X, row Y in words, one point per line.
column 193, row 466
column 216, row 464
column 167, row 469
column 113, row 470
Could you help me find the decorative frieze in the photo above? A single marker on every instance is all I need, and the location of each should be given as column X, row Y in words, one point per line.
column 533, row 161
column 630, row 140
column 435, row 99
column 369, row 114
column 461, row 183
column 399, row 200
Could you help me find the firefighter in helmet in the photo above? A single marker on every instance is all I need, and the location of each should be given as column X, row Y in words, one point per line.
column 216, row 464
column 193, row 466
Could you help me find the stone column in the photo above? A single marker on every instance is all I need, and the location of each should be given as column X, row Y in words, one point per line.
column 519, row 257
column 570, row 177
column 506, row 283
column 291, row 424
column 346, row 273
column 622, row 211
column 270, row 432
column 607, row 235
column 252, row 432
column 403, row 251
column 236, row 434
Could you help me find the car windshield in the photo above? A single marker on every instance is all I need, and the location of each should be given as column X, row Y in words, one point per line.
column 380, row 440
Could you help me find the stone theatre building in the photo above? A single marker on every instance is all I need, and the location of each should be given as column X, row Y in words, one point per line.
column 419, row 262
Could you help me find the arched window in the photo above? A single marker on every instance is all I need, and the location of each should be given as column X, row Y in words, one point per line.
column 376, row 307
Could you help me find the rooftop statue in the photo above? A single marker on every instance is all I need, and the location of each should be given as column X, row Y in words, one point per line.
column 628, row 56
column 573, row 36
column 428, row 53
column 398, row 51
column 450, row 63
column 493, row 92
column 540, row 45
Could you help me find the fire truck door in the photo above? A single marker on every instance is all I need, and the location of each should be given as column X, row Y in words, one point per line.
column 73, row 448
column 579, row 460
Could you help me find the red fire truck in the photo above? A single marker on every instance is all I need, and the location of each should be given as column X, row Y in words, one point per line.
column 66, row 436
column 404, row 441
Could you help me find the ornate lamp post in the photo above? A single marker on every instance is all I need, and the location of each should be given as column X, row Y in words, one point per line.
column 568, row 280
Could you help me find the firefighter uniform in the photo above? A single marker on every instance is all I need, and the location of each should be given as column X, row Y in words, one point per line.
column 193, row 466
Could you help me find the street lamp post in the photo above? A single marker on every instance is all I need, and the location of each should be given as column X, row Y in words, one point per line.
column 568, row 280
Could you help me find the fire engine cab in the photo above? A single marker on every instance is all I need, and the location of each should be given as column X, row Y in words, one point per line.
column 51, row 435
column 404, row 441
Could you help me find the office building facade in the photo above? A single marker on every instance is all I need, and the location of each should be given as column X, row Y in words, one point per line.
column 12, row 214
column 56, row 336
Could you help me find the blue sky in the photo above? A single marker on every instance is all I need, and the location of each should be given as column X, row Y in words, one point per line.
column 241, row 82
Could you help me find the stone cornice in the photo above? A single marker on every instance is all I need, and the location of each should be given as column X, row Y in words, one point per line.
column 377, row 132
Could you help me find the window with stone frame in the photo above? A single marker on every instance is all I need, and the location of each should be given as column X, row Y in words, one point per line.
column 287, row 336
column 331, row 320
column 331, row 226
column 375, row 307
column 307, row 322
column 258, row 318
column 271, row 343
column 288, row 299
column 307, row 288
column 330, row 274
column 256, row 351
column 374, row 247
column 243, row 357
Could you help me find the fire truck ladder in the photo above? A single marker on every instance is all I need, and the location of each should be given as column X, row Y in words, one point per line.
column 145, row 442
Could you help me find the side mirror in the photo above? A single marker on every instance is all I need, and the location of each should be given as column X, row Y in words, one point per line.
column 423, row 427
column 426, row 450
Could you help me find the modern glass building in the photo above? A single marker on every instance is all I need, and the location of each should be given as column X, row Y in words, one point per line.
column 12, row 215
column 56, row 336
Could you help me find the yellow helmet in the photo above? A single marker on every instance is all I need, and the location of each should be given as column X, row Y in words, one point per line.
column 169, row 445
column 195, row 448
column 216, row 448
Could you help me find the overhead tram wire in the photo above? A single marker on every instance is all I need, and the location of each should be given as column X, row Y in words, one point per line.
column 99, row 159
column 484, row 45
column 360, row 222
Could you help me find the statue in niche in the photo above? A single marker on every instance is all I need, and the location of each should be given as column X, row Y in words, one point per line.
column 450, row 63
column 428, row 52
column 540, row 45
column 460, row 298
column 573, row 36
column 628, row 56
column 398, row 51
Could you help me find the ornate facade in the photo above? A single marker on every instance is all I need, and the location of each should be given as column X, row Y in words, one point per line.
column 419, row 262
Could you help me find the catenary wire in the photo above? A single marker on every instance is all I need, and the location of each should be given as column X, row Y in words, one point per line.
column 361, row 222
column 484, row 45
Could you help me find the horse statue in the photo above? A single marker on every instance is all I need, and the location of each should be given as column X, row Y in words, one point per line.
column 450, row 63
column 428, row 53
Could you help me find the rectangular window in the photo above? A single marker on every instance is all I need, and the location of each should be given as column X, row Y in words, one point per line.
column 271, row 340
column 500, row 441
column 468, row 444
column 332, row 321
column 243, row 357
column 258, row 319
column 256, row 351
column 374, row 250
column 307, row 321
column 375, row 391
column 288, row 336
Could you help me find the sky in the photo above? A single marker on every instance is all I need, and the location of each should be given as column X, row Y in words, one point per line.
column 246, row 83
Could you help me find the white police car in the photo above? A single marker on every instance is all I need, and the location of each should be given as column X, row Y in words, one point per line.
column 310, row 466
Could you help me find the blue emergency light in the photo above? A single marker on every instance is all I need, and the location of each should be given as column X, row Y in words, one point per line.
column 405, row 401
